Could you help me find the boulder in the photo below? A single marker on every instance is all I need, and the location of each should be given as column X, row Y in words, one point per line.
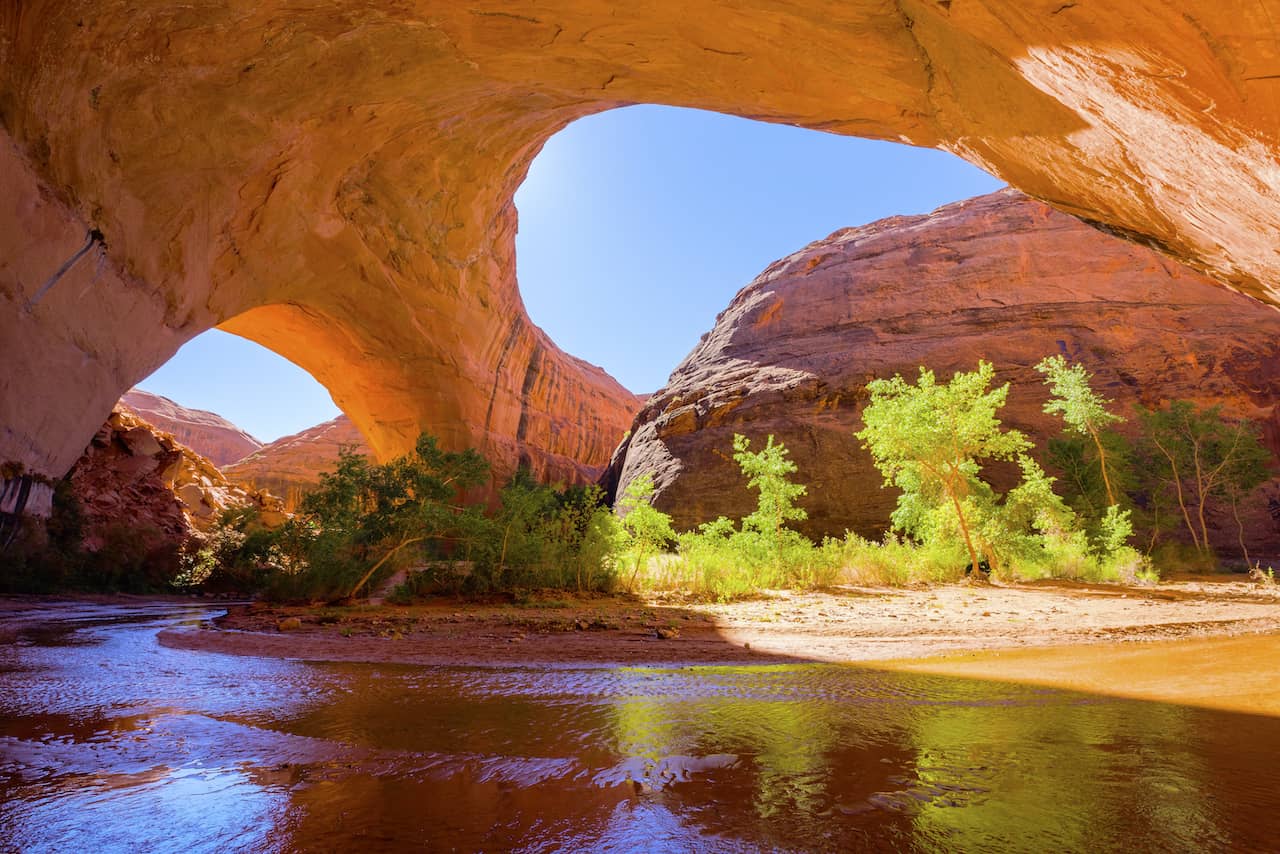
column 166, row 496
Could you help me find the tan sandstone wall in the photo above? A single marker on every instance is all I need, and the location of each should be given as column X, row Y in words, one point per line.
column 335, row 180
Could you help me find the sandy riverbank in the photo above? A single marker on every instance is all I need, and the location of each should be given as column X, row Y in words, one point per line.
column 842, row 625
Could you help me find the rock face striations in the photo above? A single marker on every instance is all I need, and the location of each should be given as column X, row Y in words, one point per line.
column 138, row 482
column 206, row 433
column 1002, row 278
column 335, row 180
column 290, row 465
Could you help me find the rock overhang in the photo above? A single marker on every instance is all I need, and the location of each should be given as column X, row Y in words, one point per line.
column 336, row 182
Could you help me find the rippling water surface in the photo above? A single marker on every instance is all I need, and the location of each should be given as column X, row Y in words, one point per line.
column 110, row 742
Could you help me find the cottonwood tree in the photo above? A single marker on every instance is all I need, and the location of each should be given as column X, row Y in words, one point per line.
column 1085, row 413
column 647, row 529
column 1200, row 457
column 1091, row 452
column 368, row 510
column 929, row 439
column 766, row 471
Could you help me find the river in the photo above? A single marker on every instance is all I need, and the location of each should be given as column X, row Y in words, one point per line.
column 111, row 742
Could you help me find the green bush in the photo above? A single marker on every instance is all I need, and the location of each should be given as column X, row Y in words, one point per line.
column 365, row 521
column 728, row 561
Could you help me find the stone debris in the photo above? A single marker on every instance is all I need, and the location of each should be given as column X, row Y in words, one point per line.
column 133, row 475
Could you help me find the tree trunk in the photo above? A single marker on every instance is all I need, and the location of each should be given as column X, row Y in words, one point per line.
column 635, row 573
column 964, row 529
column 386, row 557
column 1182, row 504
column 1102, row 463
column 1201, row 497
column 1235, row 511
column 502, row 558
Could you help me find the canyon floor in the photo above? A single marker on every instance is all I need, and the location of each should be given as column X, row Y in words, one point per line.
column 846, row 624
column 1197, row 641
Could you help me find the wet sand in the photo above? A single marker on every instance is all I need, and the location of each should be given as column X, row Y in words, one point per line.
column 1235, row 674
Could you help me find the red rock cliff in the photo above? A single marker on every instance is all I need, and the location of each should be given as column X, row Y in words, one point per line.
column 335, row 180
column 204, row 432
column 1001, row 278
column 292, row 464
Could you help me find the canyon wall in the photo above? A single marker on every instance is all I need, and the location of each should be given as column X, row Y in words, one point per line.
column 138, row 487
column 292, row 464
column 1002, row 278
column 204, row 432
column 335, row 180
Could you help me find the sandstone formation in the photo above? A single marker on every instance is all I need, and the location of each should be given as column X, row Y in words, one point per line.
column 207, row 433
column 1002, row 278
column 141, row 480
column 290, row 465
column 335, row 180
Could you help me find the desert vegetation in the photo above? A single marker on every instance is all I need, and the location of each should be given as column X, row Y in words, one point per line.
column 933, row 441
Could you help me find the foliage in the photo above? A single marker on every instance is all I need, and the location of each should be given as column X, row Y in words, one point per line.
column 930, row 439
column 647, row 530
column 728, row 561
column 542, row 537
column 766, row 471
column 366, row 519
column 1195, row 458
column 894, row 561
column 1078, row 460
column 240, row 555
column 1085, row 414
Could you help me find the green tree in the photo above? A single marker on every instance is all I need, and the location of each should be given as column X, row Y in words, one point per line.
column 524, row 517
column 929, row 440
column 766, row 471
column 647, row 529
column 1084, row 412
column 363, row 510
column 1201, row 457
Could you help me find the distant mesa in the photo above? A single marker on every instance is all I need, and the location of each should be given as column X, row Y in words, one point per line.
column 206, row 433
column 1001, row 277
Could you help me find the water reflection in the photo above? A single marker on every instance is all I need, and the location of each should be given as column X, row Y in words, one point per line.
column 110, row 742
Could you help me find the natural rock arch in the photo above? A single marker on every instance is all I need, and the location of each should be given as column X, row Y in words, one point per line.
column 351, row 165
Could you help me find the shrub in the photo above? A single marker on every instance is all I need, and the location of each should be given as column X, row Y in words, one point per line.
column 647, row 530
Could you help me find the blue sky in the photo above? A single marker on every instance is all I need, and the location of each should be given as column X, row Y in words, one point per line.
column 637, row 226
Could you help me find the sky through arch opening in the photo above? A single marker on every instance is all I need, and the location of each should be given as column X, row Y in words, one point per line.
column 638, row 225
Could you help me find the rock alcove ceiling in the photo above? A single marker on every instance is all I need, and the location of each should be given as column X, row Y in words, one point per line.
column 335, row 180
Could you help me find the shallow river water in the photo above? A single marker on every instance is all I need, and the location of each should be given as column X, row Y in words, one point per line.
column 111, row 742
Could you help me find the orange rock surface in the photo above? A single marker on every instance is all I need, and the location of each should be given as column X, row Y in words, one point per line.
column 204, row 432
column 335, row 180
column 289, row 465
column 1002, row 278
column 137, row 482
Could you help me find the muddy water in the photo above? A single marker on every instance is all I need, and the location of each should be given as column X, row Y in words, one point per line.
column 110, row 742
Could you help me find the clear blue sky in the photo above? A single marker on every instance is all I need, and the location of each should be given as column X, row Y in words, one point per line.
column 637, row 226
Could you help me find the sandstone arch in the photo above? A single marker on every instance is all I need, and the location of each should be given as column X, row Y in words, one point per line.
column 356, row 161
